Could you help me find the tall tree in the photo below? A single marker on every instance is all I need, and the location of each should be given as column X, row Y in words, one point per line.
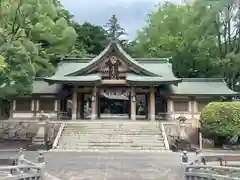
column 202, row 40
column 90, row 37
column 178, row 33
column 224, row 14
column 113, row 28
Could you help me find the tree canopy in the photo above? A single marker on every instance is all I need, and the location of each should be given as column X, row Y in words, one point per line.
column 221, row 119
column 33, row 34
column 91, row 38
column 201, row 40
column 113, row 28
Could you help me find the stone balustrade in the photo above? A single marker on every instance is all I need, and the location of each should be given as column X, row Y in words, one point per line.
column 23, row 169
column 214, row 167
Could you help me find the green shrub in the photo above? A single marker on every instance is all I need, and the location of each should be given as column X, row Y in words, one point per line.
column 221, row 119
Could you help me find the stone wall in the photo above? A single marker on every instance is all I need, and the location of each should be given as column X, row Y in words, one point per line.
column 25, row 130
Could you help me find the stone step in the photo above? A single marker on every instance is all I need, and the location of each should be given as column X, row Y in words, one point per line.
column 112, row 127
column 112, row 136
column 109, row 132
column 113, row 146
column 113, row 132
column 110, row 139
column 110, row 148
column 4, row 173
column 112, row 142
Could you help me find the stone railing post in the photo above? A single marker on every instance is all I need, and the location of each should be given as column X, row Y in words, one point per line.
column 20, row 159
column 41, row 165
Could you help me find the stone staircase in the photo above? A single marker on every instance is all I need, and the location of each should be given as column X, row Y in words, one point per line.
column 112, row 136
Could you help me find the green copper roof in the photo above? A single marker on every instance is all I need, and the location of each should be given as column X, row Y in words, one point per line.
column 159, row 66
column 74, row 79
column 42, row 87
column 157, row 80
column 67, row 67
column 202, row 86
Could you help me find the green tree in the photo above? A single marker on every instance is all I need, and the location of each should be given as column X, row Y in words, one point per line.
column 91, row 38
column 225, row 15
column 32, row 35
column 221, row 119
column 113, row 28
column 178, row 33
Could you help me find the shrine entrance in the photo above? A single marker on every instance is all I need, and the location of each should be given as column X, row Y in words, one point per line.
column 114, row 103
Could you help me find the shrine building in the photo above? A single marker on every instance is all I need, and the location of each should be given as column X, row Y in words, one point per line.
column 113, row 85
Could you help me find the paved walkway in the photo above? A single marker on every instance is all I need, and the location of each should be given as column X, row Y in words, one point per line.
column 113, row 165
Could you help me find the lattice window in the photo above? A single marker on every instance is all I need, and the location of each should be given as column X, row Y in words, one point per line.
column 181, row 106
column 23, row 105
column 46, row 104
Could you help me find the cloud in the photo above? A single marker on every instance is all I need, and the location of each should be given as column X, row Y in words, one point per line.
column 131, row 14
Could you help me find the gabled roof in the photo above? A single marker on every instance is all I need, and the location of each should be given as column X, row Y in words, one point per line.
column 202, row 86
column 113, row 45
column 159, row 66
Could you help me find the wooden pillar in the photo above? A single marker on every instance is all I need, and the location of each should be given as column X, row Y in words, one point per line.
column 133, row 103
column 94, row 103
column 56, row 108
column 98, row 106
column 12, row 108
column 147, row 105
column 152, row 104
column 74, row 104
column 82, row 106
column 129, row 105
column 35, row 109
column 79, row 106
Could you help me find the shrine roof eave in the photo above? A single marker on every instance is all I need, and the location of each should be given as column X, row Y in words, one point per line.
column 75, row 80
column 143, row 80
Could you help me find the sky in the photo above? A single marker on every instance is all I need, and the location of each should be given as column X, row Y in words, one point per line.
column 132, row 14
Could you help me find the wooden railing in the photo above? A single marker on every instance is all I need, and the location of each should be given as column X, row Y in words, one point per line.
column 23, row 169
column 214, row 168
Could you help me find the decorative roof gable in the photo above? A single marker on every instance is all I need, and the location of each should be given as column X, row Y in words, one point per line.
column 113, row 52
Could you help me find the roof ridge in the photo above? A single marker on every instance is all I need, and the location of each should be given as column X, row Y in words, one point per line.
column 152, row 60
column 202, row 79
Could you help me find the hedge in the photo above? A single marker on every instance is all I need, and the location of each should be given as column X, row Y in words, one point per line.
column 221, row 119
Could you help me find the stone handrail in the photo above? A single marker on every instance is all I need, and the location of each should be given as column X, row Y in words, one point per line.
column 195, row 170
column 24, row 169
column 58, row 136
column 165, row 137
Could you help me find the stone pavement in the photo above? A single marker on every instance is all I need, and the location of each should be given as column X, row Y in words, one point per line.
column 113, row 165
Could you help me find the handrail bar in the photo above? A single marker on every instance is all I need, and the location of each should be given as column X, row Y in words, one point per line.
column 56, row 141
column 210, row 176
column 18, row 167
column 211, row 167
column 28, row 162
column 165, row 137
